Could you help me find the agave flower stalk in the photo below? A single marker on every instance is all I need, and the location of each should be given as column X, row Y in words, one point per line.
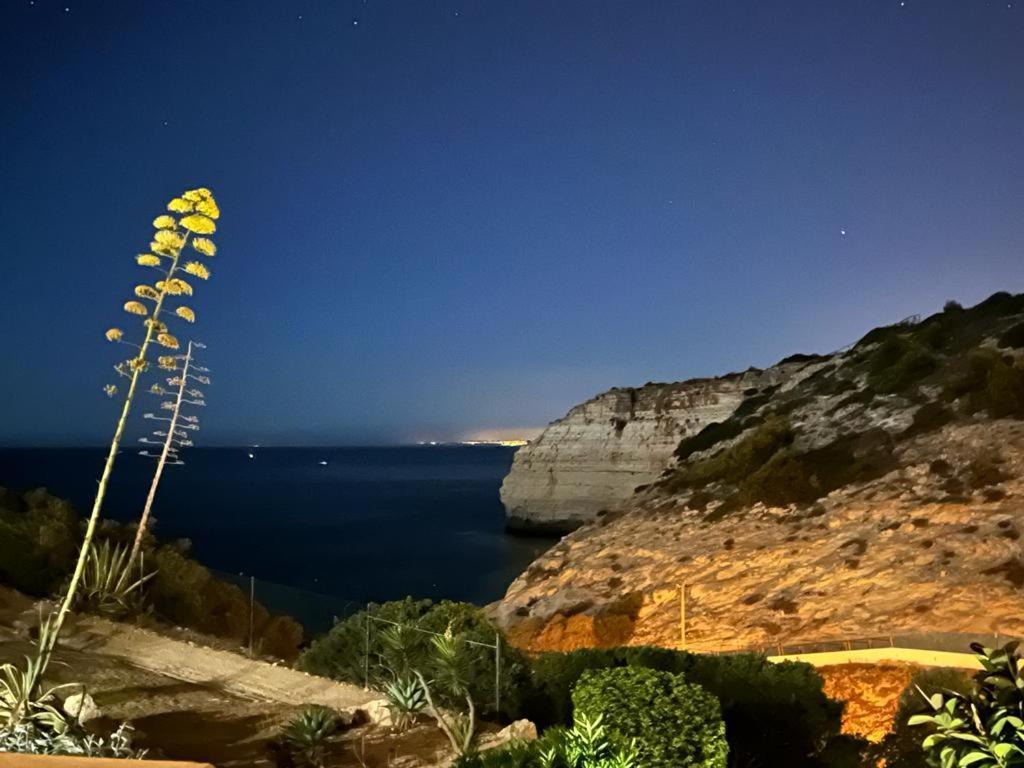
column 178, row 428
column 199, row 210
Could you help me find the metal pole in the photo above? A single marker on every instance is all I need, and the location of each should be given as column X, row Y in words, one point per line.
column 252, row 601
column 497, row 673
column 682, row 614
column 366, row 650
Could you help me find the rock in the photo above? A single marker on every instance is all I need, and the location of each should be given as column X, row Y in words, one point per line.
column 81, row 707
column 520, row 730
column 596, row 455
column 378, row 712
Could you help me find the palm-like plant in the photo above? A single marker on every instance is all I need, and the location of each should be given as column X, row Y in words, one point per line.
column 198, row 211
column 450, row 674
column 405, row 700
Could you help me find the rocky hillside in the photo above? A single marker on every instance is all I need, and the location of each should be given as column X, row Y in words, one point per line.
column 594, row 458
column 870, row 492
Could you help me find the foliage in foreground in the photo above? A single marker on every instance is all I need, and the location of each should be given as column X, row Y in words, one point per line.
column 672, row 723
column 775, row 714
column 108, row 586
column 585, row 745
column 341, row 653
column 982, row 729
column 33, row 740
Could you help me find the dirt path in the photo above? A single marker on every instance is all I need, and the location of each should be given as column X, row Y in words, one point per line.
column 227, row 671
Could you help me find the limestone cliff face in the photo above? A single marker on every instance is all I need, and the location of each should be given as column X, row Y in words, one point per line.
column 594, row 458
column 873, row 492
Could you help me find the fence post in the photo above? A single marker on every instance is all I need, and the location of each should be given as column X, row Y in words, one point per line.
column 497, row 674
column 252, row 602
column 366, row 651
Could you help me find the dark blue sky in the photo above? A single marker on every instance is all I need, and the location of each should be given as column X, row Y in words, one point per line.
column 453, row 216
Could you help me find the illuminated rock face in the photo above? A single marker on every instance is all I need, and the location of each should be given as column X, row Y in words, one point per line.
column 594, row 458
column 924, row 548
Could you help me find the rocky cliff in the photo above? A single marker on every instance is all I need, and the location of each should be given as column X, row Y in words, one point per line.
column 871, row 493
column 598, row 454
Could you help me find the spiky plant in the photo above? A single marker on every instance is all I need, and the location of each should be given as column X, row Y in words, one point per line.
column 198, row 211
column 308, row 734
column 187, row 374
column 107, row 585
column 449, row 669
column 23, row 698
column 405, row 700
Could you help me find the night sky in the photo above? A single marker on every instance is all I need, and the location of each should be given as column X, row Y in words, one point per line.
column 445, row 217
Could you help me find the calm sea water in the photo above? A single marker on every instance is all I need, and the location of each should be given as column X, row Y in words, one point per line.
column 372, row 524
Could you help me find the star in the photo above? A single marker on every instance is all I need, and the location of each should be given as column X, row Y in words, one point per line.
column 842, row 232
column 355, row 22
column 300, row 17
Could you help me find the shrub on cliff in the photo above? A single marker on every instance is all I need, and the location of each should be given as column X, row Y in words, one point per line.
column 341, row 652
column 673, row 723
column 38, row 541
column 775, row 714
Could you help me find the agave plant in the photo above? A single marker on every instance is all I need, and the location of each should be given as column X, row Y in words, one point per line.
column 197, row 211
column 23, row 698
column 308, row 734
column 986, row 728
column 108, row 586
column 405, row 700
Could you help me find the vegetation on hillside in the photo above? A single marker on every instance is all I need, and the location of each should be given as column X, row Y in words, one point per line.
column 957, row 364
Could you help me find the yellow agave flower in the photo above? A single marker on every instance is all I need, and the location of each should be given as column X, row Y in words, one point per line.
column 208, row 207
column 167, row 362
column 197, row 269
column 201, row 225
column 147, row 260
column 204, row 245
column 194, row 195
column 165, row 222
column 163, row 250
column 156, row 389
column 110, row 389
column 168, row 238
column 135, row 308
column 157, row 325
column 146, row 292
column 114, row 334
column 177, row 205
column 185, row 314
column 175, row 286
column 167, row 340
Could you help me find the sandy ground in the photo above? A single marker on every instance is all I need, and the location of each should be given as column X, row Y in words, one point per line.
column 191, row 702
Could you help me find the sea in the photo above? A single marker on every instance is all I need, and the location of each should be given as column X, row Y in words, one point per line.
column 315, row 532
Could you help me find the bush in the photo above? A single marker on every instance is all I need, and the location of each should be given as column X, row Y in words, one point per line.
column 902, row 747
column 898, row 364
column 988, row 382
column 586, row 745
column 341, row 652
column 38, row 541
column 673, row 723
column 775, row 714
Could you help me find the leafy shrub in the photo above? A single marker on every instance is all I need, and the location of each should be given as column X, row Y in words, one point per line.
column 898, row 364
column 672, row 723
column 30, row 739
column 984, row 728
column 38, row 541
column 1013, row 337
column 988, row 382
column 585, row 745
column 902, row 747
column 775, row 714
column 341, row 652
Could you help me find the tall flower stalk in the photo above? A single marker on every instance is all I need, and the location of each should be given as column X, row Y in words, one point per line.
column 179, row 426
column 198, row 211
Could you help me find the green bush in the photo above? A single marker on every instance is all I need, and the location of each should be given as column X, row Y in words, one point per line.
column 775, row 714
column 1013, row 337
column 988, row 382
column 673, row 723
column 38, row 541
column 898, row 364
column 902, row 747
column 341, row 654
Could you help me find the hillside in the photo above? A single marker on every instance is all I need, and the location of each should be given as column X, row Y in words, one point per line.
column 869, row 492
